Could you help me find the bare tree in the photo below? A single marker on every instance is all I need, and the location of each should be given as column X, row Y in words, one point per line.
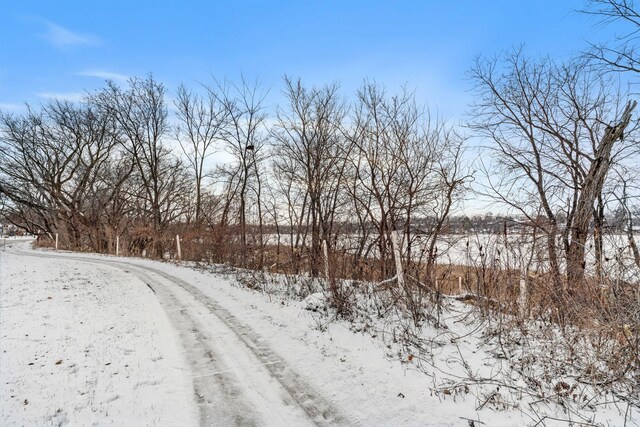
column 141, row 114
column 402, row 161
column 552, row 147
column 591, row 191
column 383, row 136
column 243, row 139
column 406, row 176
column 28, row 164
column 311, row 156
column 624, row 56
column 202, row 121
column 54, row 165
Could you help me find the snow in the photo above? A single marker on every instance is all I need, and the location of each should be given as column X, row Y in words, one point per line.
column 86, row 344
column 202, row 349
column 314, row 302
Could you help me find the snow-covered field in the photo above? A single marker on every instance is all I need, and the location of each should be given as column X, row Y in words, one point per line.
column 469, row 249
column 95, row 340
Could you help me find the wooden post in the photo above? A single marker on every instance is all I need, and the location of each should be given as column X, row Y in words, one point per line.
column 396, row 255
column 522, row 298
column 325, row 250
column 178, row 246
column 117, row 245
column 460, row 284
column 56, row 241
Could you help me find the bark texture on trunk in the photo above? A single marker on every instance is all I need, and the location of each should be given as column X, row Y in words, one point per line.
column 591, row 188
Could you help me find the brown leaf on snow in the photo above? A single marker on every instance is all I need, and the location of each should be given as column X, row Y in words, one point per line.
column 59, row 362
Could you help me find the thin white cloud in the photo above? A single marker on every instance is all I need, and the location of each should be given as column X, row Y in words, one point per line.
column 61, row 37
column 66, row 96
column 105, row 75
column 10, row 107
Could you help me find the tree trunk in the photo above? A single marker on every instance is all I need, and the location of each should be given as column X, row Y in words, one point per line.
column 598, row 225
column 591, row 189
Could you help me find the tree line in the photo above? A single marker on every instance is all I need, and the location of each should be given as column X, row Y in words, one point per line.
column 324, row 179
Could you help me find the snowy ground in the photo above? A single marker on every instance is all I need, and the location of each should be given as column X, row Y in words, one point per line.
column 88, row 339
column 84, row 344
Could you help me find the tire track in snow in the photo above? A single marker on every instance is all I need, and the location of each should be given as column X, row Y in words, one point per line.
column 219, row 399
column 229, row 359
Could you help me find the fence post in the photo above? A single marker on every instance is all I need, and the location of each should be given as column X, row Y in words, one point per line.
column 56, row 241
column 325, row 250
column 396, row 255
column 178, row 246
column 460, row 284
column 522, row 298
column 117, row 245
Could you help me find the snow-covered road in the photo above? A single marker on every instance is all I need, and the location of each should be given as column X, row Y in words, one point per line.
column 85, row 344
column 236, row 378
column 98, row 340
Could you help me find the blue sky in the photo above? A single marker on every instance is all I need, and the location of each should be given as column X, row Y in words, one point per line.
column 62, row 48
